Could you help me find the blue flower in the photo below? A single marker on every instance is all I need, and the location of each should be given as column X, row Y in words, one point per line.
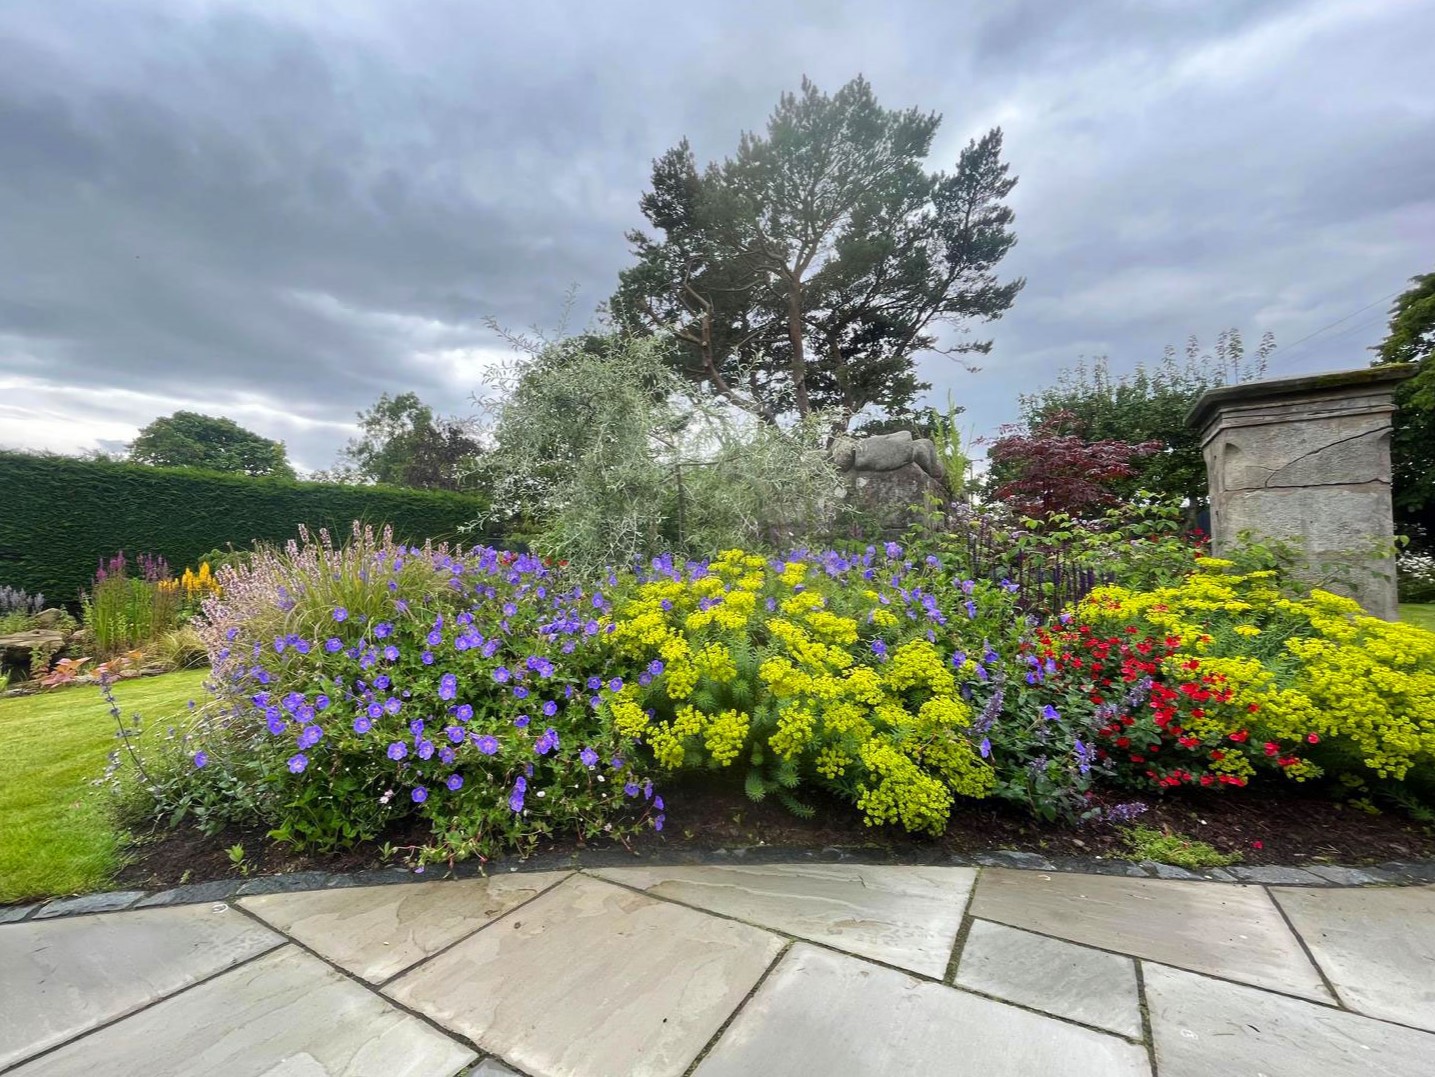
column 382, row 681
column 1050, row 713
column 391, row 653
column 519, row 692
column 434, row 638
column 341, row 614
column 515, row 798
column 201, row 760
column 501, row 675
column 550, row 708
column 309, row 736
column 463, row 712
column 487, row 744
column 879, row 648
column 588, row 757
column 398, row 749
column 454, row 782
column 631, row 789
column 616, row 684
column 333, row 645
column 419, row 795
column 321, row 702
column 522, row 721
column 447, row 686
column 393, row 705
column 594, row 683
column 426, row 658
column 375, row 710
column 362, row 724
column 985, row 747
column 383, row 630
column 297, row 763
column 425, row 749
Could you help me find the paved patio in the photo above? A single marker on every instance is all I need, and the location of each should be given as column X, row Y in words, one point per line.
column 834, row 970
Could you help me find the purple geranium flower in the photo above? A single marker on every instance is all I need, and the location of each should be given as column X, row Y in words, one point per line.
column 486, row 744
column 201, row 760
column 333, row 645
column 398, row 749
column 419, row 795
column 341, row 614
column 383, row 630
column 515, row 798
column 362, row 724
column 463, row 712
column 297, row 763
column 587, row 756
column 454, row 782
column 447, row 686
column 309, row 736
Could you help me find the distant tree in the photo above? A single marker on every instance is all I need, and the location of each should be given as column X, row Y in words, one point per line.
column 189, row 439
column 1411, row 339
column 803, row 274
column 404, row 444
column 1057, row 468
column 1150, row 405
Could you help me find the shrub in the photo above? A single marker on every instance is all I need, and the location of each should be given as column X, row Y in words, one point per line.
column 1415, row 578
column 820, row 669
column 365, row 684
column 1222, row 678
column 61, row 515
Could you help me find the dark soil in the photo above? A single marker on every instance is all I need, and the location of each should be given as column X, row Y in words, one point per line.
column 705, row 818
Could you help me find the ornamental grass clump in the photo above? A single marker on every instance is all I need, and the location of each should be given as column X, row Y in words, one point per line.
column 362, row 685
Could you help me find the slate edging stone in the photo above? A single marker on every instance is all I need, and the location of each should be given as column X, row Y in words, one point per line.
column 1391, row 873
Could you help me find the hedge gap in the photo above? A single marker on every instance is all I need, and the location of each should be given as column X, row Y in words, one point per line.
column 60, row 515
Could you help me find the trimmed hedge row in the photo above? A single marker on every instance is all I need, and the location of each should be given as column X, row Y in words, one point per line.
column 60, row 515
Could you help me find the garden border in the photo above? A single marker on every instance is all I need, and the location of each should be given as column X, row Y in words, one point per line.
column 1390, row 873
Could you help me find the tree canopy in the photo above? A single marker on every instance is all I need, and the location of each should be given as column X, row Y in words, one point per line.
column 189, row 439
column 1148, row 405
column 1411, row 339
column 805, row 272
column 403, row 443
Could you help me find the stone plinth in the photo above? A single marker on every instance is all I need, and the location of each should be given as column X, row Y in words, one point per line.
column 1308, row 459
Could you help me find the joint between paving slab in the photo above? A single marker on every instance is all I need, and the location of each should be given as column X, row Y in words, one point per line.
column 421, row 962
column 109, row 1023
column 727, row 1022
column 1305, row 949
column 370, row 988
column 1148, row 1037
column 964, row 928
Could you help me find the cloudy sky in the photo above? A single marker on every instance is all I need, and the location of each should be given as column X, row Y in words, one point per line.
column 277, row 210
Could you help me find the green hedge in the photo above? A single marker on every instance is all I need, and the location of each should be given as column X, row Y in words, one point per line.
column 59, row 516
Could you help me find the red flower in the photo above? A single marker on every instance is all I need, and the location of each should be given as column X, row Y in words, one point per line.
column 1272, row 747
column 1258, row 845
column 1240, row 736
column 1312, row 738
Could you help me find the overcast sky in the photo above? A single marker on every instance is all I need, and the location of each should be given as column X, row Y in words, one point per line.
column 277, row 210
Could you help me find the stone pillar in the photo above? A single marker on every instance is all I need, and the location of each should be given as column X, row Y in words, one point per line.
column 1308, row 458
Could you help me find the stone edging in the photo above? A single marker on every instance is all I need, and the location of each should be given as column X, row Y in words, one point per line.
column 1391, row 873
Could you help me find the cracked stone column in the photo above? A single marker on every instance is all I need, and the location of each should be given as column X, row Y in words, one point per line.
column 1308, row 458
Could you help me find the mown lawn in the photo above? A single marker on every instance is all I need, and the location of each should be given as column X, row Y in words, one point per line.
column 56, row 836
column 1422, row 615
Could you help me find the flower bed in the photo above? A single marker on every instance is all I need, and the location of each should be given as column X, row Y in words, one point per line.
column 502, row 700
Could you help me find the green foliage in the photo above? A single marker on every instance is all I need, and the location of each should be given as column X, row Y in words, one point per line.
column 62, row 515
column 405, row 444
column 1149, row 404
column 1411, row 339
column 188, row 439
column 802, row 274
column 1164, row 847
column 603, row 456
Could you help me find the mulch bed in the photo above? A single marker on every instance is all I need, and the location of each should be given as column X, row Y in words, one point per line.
column 701, row 818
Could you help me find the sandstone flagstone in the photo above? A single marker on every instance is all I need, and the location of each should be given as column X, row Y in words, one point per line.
column 1216, row 928
column 1203, row 1026
column 906, row 916
column 590, row 980
column 59, row 978
column 1053, row 976
column 825, row 1014
column 378, row 931
column 1377, row 946
column 286, row 1014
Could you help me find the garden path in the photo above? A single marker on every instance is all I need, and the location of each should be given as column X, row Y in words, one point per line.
column 824, row 969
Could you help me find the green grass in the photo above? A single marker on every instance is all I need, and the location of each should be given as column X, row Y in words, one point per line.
column 56, row 834
column 1422, row 615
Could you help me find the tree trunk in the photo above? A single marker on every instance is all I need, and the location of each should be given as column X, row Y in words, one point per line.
column 794, row 336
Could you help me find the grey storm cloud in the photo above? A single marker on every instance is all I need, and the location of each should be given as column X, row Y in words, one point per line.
column 277, row 211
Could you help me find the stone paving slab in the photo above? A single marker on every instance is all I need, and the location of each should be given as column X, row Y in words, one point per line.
column 286, row 1014
column 591, row 980
column 828, row 1015
column 1056, row 977
column 1216, row 928
column 491, row 1067
column 1376, row 946
column 1203, row 1026
column 905, row 916
column 59, row 978
column 378, row 931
